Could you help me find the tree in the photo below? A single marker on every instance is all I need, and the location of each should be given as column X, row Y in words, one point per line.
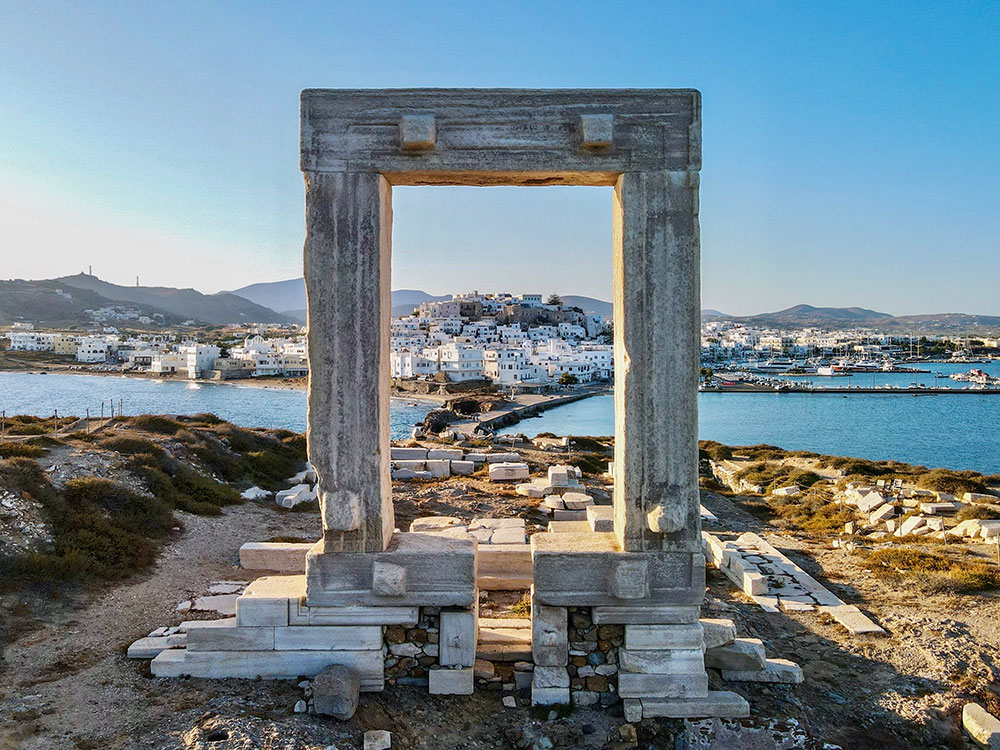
column 607, row 336
column 554, row 299
column 568, row 378
column 706, row 373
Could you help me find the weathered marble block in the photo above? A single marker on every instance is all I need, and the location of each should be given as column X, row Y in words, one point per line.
column 437, row 571
column 589, row 569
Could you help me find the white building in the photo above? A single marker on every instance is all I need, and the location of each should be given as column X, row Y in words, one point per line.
column 95, row 349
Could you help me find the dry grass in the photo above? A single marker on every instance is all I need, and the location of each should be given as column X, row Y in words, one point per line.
column 932, row 572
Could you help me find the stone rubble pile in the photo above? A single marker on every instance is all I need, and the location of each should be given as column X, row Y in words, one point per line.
column 436, row 463
column 776, row 583
column 23, row 529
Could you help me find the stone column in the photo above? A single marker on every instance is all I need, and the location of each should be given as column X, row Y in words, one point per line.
column 657, row 299
column 347, row 269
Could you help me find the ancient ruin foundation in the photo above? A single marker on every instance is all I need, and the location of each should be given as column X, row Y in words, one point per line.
column 364, row 578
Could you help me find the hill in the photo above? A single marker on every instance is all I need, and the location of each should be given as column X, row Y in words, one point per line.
column 53, row 304
column 807, row 316
column 289, row 297
column 221, row 308
column 588, row 304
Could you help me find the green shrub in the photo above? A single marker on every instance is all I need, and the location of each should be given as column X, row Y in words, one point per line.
column 589, row 462
column 128, row 446
column 21, row 450
column 716, row 451
column 585, row 443
column 982, row 512
column 156, row 423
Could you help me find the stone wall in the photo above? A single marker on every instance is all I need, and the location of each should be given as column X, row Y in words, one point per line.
column 410, row 652
column 593, row 659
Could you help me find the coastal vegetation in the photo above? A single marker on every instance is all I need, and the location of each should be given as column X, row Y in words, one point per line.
column 932, row 572
column 107, row 528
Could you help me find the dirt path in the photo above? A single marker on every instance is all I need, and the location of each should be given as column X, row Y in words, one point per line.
column 67, row 681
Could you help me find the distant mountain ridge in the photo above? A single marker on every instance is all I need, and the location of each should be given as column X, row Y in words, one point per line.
column 808, row 316
column 289, row 297
column 185, row 304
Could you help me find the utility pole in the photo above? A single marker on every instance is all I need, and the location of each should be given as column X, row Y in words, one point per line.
column 88, row 420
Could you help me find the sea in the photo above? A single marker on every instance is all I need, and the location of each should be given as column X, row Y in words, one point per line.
column 960, row 431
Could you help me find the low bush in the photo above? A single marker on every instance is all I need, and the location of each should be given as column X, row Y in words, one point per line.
column 101, row 529
column 932, row 572
column 594, row 445
column 982, row 512
column 129, row 446
column 156, row 423
column 589, row 463
column 21, row 450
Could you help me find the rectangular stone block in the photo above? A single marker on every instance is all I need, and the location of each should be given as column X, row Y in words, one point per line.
column 439, row 468
column 277, row 556
column 775, row 670
column 982, row 726
column 446, row 454
column 634, row 685
column 265, row 601
column 451, row 681
column 463, row 468
column 721, row 704
column 151, row 646
column 662, row 661
column 653, row 637
column 549, row 635
column 301, row 614
column 411, row 464
column 549, row 677
column 568, row 527
column 505, row 560
column 328, row 637
column 458, row 635
column 590, row 569
column 639, row 615
column 268, row 665
column 508, row 472
column 718, row 632
column 231, row 638
column 408, row 454
column 741, row 654
column 439, row 571
column 550, row 696
column 601, row 518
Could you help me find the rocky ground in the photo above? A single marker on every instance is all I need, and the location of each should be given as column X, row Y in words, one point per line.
column 65, row 682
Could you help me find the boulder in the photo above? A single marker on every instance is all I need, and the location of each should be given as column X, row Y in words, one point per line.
column 335, row 693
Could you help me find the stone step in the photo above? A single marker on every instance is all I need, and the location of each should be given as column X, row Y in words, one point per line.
column 504, row 639
column 504, row 622
column 268, row 665
column 517, row 635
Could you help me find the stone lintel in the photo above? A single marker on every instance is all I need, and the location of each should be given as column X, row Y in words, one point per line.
column 515, row 132
column 590, row 569
column 436, row 571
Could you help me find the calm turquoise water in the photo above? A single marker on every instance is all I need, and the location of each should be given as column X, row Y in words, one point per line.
column 22, row 393
column 959, row 432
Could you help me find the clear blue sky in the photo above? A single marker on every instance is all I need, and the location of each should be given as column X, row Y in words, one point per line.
column 852, row 150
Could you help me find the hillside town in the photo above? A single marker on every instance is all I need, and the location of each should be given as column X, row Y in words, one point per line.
column 520, row 342
column 506, row 339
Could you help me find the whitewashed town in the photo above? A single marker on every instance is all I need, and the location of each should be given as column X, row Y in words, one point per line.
column 507, row 339
column 520, row 342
